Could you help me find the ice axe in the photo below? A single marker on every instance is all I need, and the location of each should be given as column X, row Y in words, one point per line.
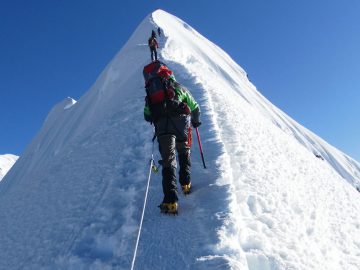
column 200, row 146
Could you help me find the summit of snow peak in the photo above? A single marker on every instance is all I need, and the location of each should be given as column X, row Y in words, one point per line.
column 186, row 47
column 6, row 162
column 74, row 199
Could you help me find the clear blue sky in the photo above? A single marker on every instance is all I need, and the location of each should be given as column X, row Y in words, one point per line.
column 304, row 56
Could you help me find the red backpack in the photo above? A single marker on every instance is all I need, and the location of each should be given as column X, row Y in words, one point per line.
column 156, row 69
column 156, row 76
column 160, row 93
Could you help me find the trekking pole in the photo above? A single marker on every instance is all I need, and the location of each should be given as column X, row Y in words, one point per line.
column 200, row 146
column 152, row 169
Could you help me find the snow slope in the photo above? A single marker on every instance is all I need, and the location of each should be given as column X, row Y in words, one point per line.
column 74, row 198
column 6, row 162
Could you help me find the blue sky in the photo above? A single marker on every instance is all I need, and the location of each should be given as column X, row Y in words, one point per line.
column 303, row 56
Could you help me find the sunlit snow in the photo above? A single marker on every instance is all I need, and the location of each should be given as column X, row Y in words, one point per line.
column 274, row 195
column 6, row 162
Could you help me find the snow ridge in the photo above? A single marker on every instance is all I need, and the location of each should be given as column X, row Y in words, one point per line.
column 73, row 200
column 6, row 162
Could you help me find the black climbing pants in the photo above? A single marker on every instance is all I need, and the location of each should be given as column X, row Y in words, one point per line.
column 153, row 53
column 168, row 147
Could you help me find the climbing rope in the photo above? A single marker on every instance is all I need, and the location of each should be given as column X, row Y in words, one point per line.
column 152, row 168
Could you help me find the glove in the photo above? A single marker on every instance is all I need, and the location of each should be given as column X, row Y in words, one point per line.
column 195, row 124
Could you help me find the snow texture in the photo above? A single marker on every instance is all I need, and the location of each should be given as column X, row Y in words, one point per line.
column 6, row 162
column 74, row 198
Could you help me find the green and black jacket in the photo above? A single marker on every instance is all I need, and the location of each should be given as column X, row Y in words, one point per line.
column 175, row 124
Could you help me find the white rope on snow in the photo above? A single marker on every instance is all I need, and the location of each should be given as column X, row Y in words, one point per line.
column 144, row 207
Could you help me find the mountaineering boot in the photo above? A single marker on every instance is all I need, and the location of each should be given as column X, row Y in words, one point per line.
column 169, row 208
column 186, row 188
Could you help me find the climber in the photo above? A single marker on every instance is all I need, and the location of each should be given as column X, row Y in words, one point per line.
column 171, row 108
column 153, row 45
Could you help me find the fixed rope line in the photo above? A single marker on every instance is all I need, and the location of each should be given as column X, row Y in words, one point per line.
column 144, row 206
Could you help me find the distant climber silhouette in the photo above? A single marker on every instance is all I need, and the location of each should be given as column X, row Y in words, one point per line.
column 153, row 44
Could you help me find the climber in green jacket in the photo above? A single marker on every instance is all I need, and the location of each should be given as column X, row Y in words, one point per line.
column 173, row 123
